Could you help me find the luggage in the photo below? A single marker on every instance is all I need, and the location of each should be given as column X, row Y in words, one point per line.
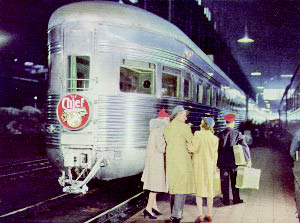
column 247, row 178
column 239, row 155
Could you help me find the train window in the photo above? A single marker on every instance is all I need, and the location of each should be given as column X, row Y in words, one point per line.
column 78, row 73
column 208, row 95
column 200, row 93
column 137, row 77
column 187, row 87
column 214, row 97
column 170, row 82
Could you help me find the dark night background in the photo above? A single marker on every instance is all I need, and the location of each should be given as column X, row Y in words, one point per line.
column 273, row 24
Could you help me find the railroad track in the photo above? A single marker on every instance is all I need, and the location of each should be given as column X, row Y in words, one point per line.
column 109, row 202
column 23, row 168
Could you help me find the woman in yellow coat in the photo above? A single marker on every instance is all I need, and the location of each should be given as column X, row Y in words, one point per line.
column 205, row 155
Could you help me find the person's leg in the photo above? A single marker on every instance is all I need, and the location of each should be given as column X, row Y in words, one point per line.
column 172, row 197
column 154, row 203
column 224, row 175
column 210, row 202
column 150, row 202
column 177, row 210
column 235, row 191
column 199, row 205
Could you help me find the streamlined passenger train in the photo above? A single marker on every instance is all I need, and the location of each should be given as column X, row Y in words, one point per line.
column 289, row 109
column 112, row 68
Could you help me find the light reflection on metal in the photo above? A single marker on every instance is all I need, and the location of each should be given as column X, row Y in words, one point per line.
column 246, row 38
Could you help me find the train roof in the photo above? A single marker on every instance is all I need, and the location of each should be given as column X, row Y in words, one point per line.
column 127, row 15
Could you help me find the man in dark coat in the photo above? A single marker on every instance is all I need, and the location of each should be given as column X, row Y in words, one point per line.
column 226, row 162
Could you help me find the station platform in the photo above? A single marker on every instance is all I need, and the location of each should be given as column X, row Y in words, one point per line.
column 274, row 202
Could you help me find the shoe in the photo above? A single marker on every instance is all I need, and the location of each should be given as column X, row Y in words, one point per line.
column 199, row 219
column 208, row 218
column 176, row 220
column 226, row 203
column 238, row 201
column 156, row 212
column 147, row 213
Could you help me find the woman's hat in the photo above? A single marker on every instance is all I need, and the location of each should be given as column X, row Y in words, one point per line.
column 176, row 110
column 209, row 121
column 163, row 114
column 229, row 117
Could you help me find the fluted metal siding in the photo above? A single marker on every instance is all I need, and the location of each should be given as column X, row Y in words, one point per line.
column 123, row 121
column 53, row 139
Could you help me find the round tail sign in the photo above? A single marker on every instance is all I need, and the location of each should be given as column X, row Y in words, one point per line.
column 73, row 111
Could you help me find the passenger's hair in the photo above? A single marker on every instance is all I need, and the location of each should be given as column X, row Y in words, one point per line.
column 207, row 127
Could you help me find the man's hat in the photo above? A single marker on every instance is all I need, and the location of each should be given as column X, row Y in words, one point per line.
column 176, row 110
column 229, row 117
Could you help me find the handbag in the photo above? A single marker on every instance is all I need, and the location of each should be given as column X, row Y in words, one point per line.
column 247, row 178
column 239, row 156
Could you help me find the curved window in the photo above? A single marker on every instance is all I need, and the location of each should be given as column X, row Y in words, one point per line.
column 170, row 82
column 137, row 77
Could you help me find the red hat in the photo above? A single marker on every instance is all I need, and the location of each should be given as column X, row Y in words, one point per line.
column 229, row 117
column 162, row 114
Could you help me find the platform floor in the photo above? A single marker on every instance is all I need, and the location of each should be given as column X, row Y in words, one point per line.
column 274, row 202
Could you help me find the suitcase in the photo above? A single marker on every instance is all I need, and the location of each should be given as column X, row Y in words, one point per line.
column 239, row 155
column 247, row 178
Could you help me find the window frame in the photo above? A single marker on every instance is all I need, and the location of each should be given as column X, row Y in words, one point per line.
column 70, row 80
column 172, row 72
column 136, row 64
column 186, row 76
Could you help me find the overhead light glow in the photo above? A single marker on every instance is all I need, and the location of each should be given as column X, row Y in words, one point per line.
column 255, row 73
column 246, row 38
column 260, row 87
column 5, row 38
column 286, row 75
column 273, row 94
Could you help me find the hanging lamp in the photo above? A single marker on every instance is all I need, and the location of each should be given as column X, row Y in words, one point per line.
column 246, row 38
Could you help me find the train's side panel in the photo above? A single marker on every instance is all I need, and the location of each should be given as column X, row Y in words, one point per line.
column 119, row 127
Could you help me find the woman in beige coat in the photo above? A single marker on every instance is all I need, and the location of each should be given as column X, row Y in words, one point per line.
column 205, row 155
column 154, row 176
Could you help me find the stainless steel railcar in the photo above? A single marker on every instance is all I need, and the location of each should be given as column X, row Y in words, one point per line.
column 289, row 109
column 112, row 67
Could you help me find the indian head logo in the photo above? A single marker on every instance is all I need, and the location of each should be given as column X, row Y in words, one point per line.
column 73, row 111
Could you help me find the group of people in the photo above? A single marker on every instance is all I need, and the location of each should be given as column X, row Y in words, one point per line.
column 180, row 163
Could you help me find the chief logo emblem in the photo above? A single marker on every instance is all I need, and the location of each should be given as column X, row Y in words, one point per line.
column 73, row 111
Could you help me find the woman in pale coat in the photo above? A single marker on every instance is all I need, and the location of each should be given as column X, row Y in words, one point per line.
column 154, row 176
column 205, row 155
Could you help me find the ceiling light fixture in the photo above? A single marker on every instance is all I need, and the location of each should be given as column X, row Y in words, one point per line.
column 246, row 38
column 286, row 75
column 260, row 87
column 255, row 73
